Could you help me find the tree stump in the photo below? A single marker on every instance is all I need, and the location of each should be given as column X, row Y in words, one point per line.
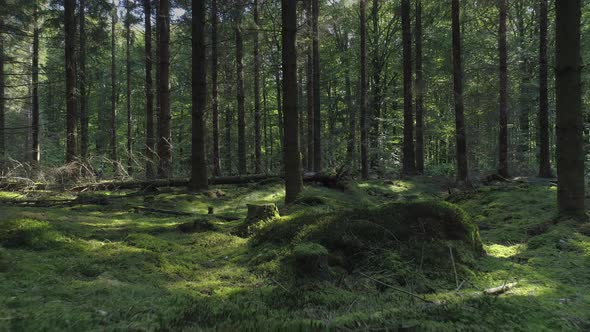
column 260, row 212
column 311, row 260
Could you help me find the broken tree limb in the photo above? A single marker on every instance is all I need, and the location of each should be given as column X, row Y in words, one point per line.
column 500, row 289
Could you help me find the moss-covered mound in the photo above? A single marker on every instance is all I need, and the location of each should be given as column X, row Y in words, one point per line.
column 429, row 236
column 29, row 233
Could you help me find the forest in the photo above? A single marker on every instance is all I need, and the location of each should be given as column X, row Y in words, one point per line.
column 294, row 165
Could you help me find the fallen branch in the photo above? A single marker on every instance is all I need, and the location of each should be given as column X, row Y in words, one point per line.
column 500, row 289
column 396, row 288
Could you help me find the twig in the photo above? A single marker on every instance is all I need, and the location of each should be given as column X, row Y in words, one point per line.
column 396, row 288
column 454, row 268
column 278, row 283
column 460, row 285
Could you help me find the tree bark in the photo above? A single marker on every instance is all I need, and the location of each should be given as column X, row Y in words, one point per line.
column 309, row 91
column 376, row 94
column 128, row 65
column 83, row 85
column 408, row 159
column 150, row 141
column 257, row 135
column 317, row 119
column 35, row 152
column 419, row 92
column 164, row 120
column 460, row 134
column 214, row 90
column 113, row 117
column 363, row 97
column 292, row 158
column 503, row 71
column 544, row 152
column 240, row 91
column 570, row 143
column 2, row 100
column 70, row 62
column 199, row 179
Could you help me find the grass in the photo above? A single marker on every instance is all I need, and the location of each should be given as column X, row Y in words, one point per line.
column 90, row 267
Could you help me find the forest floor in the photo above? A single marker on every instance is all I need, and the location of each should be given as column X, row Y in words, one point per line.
column 117, row 267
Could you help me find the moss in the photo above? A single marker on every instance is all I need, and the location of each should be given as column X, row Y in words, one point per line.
column 29, row 233
column 310, row 259
column 3, row 260
column 149, row 242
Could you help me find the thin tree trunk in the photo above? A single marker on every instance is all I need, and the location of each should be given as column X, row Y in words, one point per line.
column 317, row 119
column 545, row 155
column 214, row 90
column 292, row 158
column 281, row 128
column 363, row 97
column 570, row 140
column 70, row 53
column 257, row 135
column 164, row 121
column 82, row 75
column 35, row 152
column 419, row 91
column 2, row 101
column 150, row 141
column 503, row 54
column 408, row 159
column 376, row 98
column 460, row 134
column 128, row 65
column 199, row 179
column 309, row 91
column 265, row 125
column 240, row 92
column 113, row 117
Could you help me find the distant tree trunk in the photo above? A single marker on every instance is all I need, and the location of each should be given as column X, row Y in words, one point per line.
column 317, row 119
column 70, row 53
column 150, row 141
column 128, row 65
column 363, row 97
column 309, row 91
column 280, row 110
column 503, row 55
column 419, row 91
column 214, row 92
column 2, row 101
column 82, row 75
column 35, row 152
column 267, row 151
column 460, row 134
column 544, row 153
column 408, row 159
column 113, row 117
column 376, row 95
column 240, row 92
column 570, row 140
column 164, row 121
column 292, row 161
column 257, row 136
column 199, row 179
column 351, row 146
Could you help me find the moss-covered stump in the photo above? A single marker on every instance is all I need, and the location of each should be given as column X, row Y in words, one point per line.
column 310, row 260
column 260, row 212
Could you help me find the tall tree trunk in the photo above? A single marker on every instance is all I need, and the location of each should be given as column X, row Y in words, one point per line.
column 376, row 95
column 83, row 84
column 2, row 101
column 281, row 127
column 150, row 141
column 419, row 91
column 363, row 97
column 544, row 153
column 113, row 117
column 164, row 121
column 292, row 158
column 199, row 179
column 240, row 92
column 309, row 90
column 408, row 159
column 460, row 133
column 570, row 140
column 35, row 152
column 70, row 54
column 257, row 136
column 267, row 152
column 503, row 55
column 128, row 65
column 351, row 145
column 317, row 119
column 214, row 92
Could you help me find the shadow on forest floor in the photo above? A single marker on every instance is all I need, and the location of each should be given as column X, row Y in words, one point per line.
column 111, row 268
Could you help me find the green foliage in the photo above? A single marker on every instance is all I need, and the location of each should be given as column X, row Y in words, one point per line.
column 29, row 233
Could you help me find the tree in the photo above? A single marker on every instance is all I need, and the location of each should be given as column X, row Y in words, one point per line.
column 363, row 92
column 544, row 153
column 83, row 79
column 199, row 98
column 257, row 135
column 292, row 158
column 309, row 89
column 70, row 53
column 460, row 135
column 35, row 152
column 569, row 123
column 317, row 119
column 113, row 115
column 150, row 141
column 214, row 91
column 408, row 159
column 240, row 90
column 128, row 76
column 165, row 118
column 2, row 99
column 503, row 104
column 419, row 91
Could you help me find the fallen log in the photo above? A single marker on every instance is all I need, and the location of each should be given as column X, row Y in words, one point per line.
column 500, row 289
